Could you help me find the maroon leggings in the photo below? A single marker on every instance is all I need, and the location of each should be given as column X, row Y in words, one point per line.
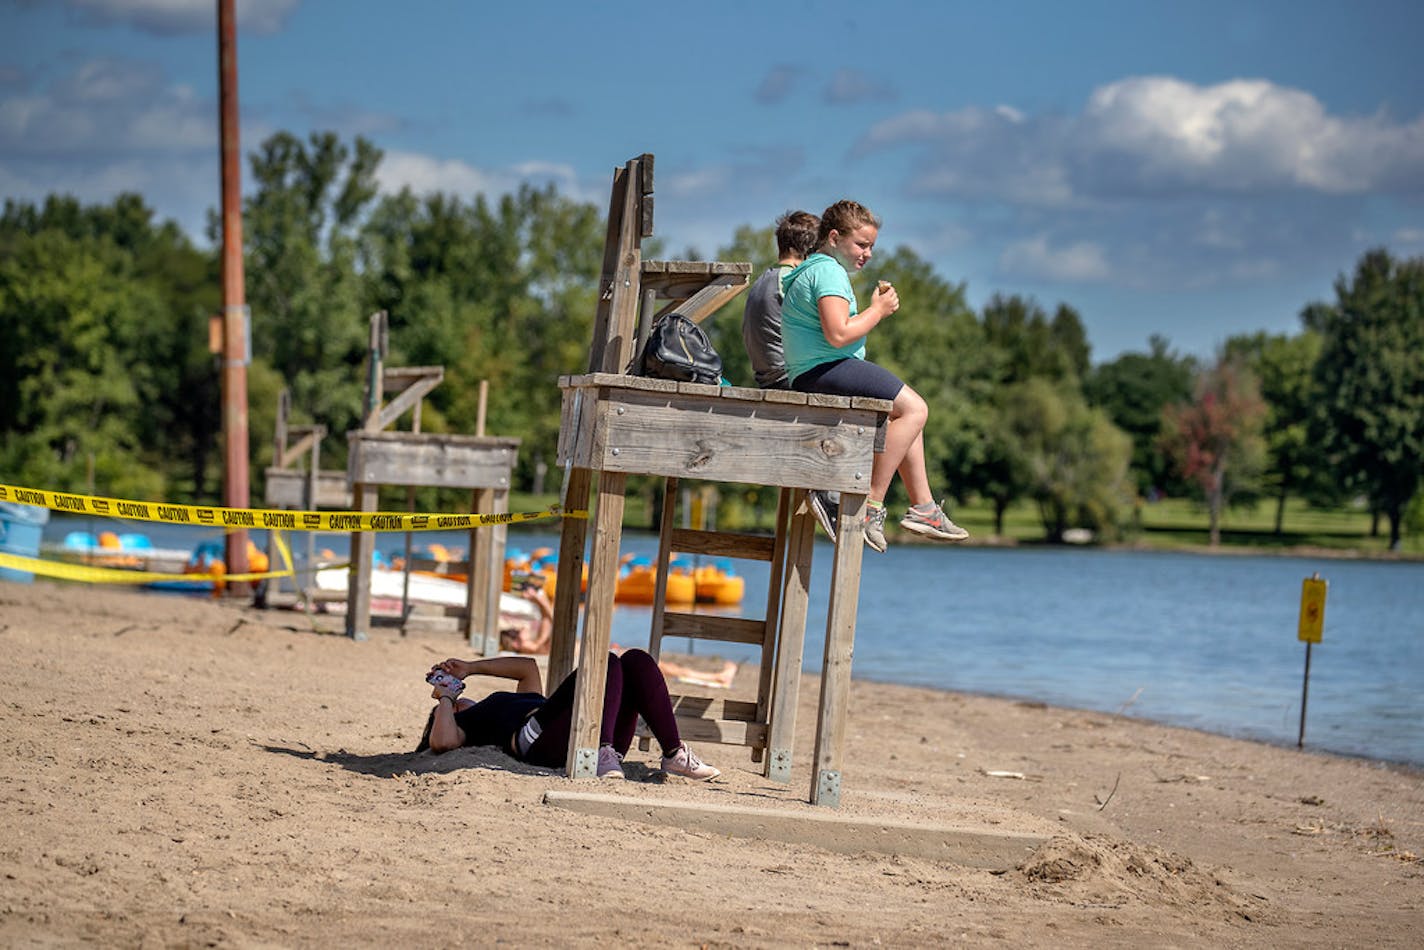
column 634, row 687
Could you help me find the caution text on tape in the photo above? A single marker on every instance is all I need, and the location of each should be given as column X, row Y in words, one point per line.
column 266, row 517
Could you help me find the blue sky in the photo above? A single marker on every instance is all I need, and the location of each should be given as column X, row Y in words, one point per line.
column 1195, row 170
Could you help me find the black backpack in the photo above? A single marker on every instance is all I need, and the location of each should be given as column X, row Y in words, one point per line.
column 678, row 349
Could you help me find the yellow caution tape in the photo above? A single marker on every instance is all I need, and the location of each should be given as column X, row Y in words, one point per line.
column 90, row 574
column 267, row 518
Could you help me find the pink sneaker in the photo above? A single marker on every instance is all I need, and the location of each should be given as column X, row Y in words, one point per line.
column 685, row 762
column 610, row 763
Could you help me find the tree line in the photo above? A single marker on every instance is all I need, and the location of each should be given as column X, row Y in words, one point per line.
column 107, row 383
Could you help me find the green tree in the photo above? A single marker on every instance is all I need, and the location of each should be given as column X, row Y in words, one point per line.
column 103, row 323
column 1371, row 376
column 499, row 292
column 1075, row 461
column 935, row 344
column 301, row 228
column 1285, row 367
column 1215, row 439
column 1132, row 390
column 1031, row 345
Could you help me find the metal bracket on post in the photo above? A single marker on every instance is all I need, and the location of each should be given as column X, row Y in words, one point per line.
column 585, row 763
column 778, row 766
column 828, row 789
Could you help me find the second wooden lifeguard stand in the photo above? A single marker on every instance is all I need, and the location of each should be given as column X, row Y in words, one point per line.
column 379, row 457
column 613, row 426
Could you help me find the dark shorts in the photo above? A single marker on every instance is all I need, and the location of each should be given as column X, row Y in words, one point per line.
column 849, row 377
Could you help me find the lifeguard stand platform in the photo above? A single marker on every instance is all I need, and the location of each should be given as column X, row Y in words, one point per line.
column 614, row 425
column 380, row 456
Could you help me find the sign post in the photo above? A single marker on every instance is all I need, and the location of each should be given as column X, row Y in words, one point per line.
column 1312, row 624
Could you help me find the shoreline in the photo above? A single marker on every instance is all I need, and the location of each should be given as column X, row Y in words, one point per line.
column 1405, row 765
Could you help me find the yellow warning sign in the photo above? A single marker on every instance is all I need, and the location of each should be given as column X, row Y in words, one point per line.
column 267, row 518
column 1312, row 609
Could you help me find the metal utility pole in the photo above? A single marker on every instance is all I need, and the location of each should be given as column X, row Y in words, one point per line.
column 234, row 335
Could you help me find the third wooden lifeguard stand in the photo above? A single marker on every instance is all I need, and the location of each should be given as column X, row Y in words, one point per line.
column 381, row 456
column 613, row 426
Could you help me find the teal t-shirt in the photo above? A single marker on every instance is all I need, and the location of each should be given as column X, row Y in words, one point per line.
column 802, row 340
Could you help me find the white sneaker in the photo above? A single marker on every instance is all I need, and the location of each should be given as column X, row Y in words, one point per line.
column 685, row 762
column 610, row 763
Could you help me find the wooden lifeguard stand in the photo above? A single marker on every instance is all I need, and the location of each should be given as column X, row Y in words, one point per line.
column 295, row 481
column 613, row 426
column 378, row 457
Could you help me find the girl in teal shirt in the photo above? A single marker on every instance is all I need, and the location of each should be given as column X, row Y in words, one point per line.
column 823, row 335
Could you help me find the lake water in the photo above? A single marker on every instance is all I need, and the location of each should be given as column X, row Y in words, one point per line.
column 1202, row 641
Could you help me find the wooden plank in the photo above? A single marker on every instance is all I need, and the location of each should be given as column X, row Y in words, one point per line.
column 665, row 549
column 723, row 731
column 693, row 436
column 709, row 299
column 714, row 707
column 486, row 576
column 785, row 686
column 706, row 390
column 288, row 489
column 608, row 384
column 973, row 846
column 581, row 761
column 840, row 646
column 788, row 396
column 442, row 461
column 406, row 401
column 617, row 202
column 739, row 393
column 751, row 547
column 625, row 290
column 766, row 684
column 712, row 627
column 676, row 270
column 397, row 378
column 568, row 581
column 289, row 454
column 358, row 590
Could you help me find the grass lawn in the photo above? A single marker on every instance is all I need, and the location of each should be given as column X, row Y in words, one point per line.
column 1170, row 523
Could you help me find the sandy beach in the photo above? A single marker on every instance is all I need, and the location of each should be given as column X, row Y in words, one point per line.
column 183, row 772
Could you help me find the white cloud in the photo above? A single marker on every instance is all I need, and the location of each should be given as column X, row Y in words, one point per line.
column 1245, row 135
column 174, row 17
column 1035, row 258
column 423, row 174
column 1152, row 136
column 107, row 107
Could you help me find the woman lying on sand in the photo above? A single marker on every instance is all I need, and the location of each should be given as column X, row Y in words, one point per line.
column 531, row 633
column 536, row 730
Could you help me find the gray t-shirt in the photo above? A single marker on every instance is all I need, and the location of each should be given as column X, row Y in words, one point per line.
column 761, row 329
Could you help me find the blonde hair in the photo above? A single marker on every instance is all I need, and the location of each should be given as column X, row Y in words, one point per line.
column 844, row 216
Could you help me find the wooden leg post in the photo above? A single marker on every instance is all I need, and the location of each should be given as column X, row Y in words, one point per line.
column 840, row 645
column 486, row 577
column 363, row 546
column 791, row 636
column 569, row 581
column 582, row 759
